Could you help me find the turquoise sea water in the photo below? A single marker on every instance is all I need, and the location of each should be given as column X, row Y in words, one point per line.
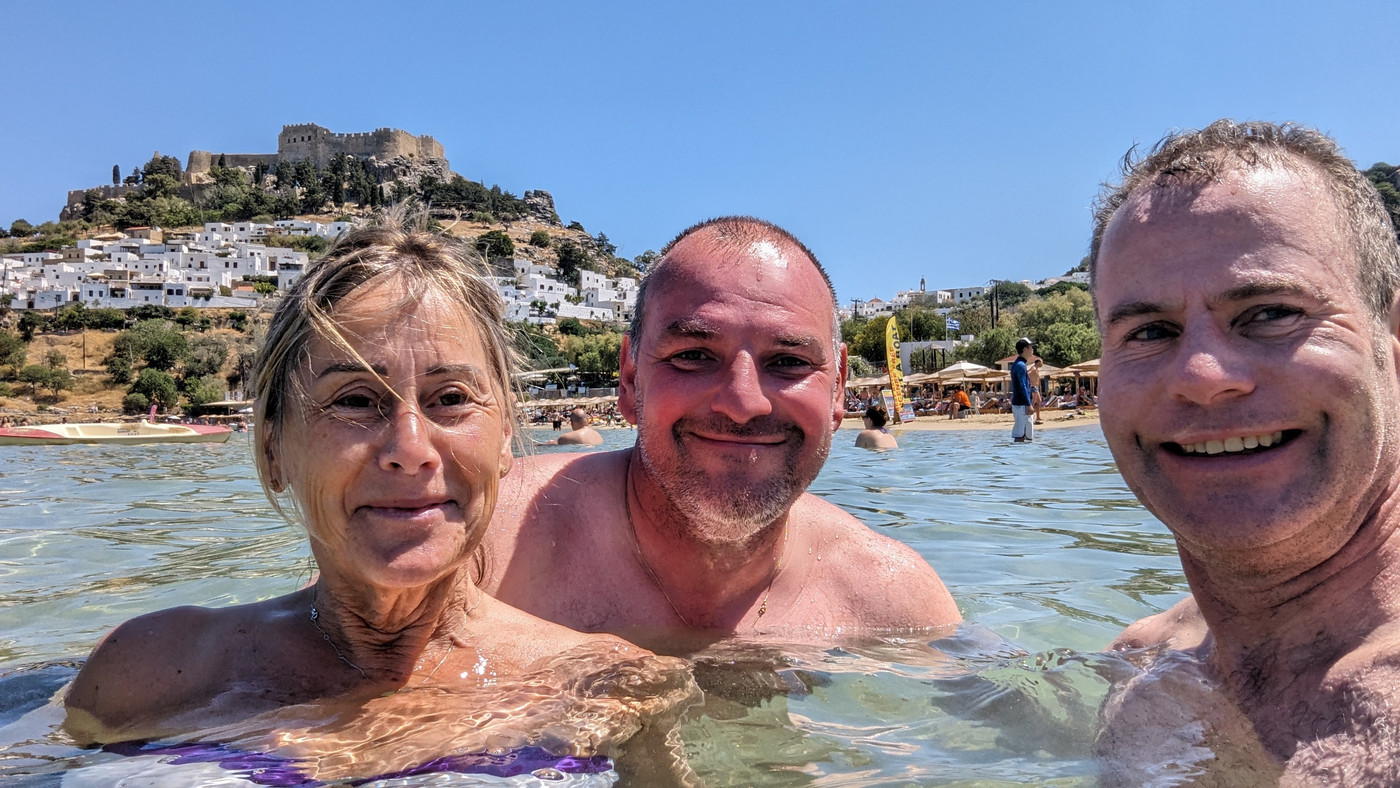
column 1045, row 549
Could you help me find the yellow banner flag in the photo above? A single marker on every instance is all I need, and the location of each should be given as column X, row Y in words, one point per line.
column 896, row 373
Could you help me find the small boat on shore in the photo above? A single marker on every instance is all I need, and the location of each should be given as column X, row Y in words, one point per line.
column 115, row 432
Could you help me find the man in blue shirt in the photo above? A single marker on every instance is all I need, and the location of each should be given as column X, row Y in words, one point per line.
column 1021, row 391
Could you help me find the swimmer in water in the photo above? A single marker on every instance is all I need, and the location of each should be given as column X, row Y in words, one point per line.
column 875, row 435
column 383, row 418
column 734, row 372
column 579, row 434
column 1245, row 278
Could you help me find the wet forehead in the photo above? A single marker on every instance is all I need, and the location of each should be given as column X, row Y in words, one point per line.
column 763, row 281
column 1265, row 228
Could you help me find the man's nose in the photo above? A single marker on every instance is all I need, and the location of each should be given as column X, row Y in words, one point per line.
column 740, row 395
column 407, row 446
column 1209, row 368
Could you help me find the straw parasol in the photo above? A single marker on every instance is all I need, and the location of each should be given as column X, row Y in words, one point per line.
column 860, row 383
column 960, row 369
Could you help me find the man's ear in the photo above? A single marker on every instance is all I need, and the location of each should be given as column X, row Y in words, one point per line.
column 627, row 381
column 838, row 404
column 1393, row 331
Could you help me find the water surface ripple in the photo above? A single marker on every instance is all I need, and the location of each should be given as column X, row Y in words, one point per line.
column 1044, row 547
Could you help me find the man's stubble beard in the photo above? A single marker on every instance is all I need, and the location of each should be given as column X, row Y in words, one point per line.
column 734, row 508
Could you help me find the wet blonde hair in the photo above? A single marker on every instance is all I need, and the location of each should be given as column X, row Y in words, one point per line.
column 417, row 263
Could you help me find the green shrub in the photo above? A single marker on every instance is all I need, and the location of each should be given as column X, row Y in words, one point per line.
column 135, row 403
column 540, row 238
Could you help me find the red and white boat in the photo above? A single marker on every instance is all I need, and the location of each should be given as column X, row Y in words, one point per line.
column 115, row 432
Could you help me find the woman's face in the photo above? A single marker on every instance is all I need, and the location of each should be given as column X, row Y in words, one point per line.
column 395, row 452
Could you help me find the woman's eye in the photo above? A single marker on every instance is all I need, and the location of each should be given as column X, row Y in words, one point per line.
column 355, row 402
column 452, row 399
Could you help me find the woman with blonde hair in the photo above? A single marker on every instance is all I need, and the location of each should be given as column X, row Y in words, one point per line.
column 384, row 421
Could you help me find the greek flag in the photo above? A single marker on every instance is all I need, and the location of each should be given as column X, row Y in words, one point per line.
column 952, row 325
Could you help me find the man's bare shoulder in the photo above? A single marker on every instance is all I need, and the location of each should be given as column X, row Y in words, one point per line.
column 543, row 503
column 886, row 582
column 523, row 638
column 1179, row 627
column 557, row 477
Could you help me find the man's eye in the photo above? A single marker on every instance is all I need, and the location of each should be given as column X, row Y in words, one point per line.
column 688, row 358
column 791, row 362
column 1152, row 332
column 1269, row 314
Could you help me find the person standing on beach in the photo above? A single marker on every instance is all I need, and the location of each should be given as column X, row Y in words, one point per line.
column 1021, row 431
column 1245, row 282
column 1033, row 374
column 734, row 372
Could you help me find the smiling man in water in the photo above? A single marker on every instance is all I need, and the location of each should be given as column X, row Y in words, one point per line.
column 734, row 373
column 1245, row 285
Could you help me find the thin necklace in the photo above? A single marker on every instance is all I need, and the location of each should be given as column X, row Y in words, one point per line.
column 656, row 581
column 452, row 640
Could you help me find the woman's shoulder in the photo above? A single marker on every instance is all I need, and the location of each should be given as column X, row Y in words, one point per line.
column 154, row 666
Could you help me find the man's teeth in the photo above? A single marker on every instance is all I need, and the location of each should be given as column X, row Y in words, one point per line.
column 1233, row 444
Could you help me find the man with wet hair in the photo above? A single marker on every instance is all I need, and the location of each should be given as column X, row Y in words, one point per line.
column 1244, row 280
column 734, row 372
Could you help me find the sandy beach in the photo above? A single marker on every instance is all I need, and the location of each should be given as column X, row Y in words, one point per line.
column 992, row 421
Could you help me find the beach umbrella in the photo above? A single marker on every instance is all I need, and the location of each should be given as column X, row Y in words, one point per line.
column 960, row 369
column 860, row 383
column 1091, row 365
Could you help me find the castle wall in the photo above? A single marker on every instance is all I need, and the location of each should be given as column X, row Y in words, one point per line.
column 201, row 161
column 76, row 196
column 310, row 141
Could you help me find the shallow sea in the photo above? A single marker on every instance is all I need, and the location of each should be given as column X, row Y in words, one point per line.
column 1045, row 549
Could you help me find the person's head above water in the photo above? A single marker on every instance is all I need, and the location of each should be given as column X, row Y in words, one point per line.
column 877, row 415
column 578, row 418
column 733, row 371
column 408, row 267
column 734, row 374
column 1244, row 279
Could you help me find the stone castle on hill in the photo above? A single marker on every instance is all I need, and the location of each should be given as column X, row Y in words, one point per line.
column 320, row 145
column 396, row 152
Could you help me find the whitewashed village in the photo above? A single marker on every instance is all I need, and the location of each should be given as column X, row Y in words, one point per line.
column 220, row 267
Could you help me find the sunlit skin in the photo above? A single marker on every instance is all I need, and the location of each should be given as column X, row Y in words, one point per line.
column 740, row 383
column 735, row 385
column 392, row 450
column 409, row 448
column 1249, row 398
column 1221, row 322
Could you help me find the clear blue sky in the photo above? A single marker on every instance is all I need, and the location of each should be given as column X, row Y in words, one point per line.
column 963, row 141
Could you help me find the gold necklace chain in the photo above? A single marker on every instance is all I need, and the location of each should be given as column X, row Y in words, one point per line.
column 656, row 581
column 315, row 616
